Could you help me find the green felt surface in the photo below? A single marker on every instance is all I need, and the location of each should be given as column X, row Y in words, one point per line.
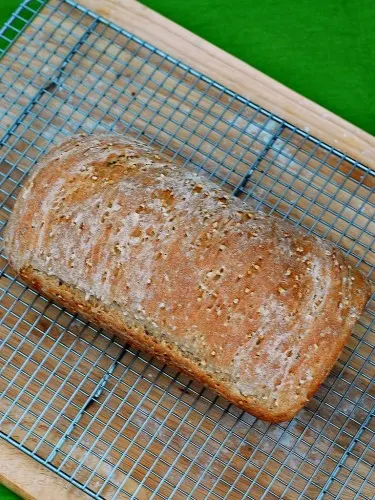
column 6, row 494
column 324, row 49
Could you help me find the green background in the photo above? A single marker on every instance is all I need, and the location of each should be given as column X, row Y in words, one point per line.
column 324, row 49
column 6, row 494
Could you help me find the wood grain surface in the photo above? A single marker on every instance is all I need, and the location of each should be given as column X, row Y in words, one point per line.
column 135, row 433
column 31, row 480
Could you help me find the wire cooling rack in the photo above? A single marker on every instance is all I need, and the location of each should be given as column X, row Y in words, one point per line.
column 107, row 418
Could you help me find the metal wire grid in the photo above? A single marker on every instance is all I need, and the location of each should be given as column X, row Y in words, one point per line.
column 107, row 418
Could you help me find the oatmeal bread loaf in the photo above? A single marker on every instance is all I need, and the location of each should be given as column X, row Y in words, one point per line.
column 241, row 301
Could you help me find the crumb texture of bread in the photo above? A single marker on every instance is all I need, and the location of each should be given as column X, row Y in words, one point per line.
column 242, row 301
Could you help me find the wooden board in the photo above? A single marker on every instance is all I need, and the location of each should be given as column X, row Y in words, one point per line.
column 31, row 480
column 323, row 192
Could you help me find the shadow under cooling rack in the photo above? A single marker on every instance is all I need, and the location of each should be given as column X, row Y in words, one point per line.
column 106, row 418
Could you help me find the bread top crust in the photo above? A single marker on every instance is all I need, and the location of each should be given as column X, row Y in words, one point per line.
column 253, row 301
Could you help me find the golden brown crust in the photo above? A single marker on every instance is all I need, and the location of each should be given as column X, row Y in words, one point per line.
column 243, row 302
column 112, row 321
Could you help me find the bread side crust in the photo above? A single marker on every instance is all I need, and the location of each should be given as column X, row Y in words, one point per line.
column 111, row 319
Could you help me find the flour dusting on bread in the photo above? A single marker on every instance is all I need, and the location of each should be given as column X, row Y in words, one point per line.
column 241, row 300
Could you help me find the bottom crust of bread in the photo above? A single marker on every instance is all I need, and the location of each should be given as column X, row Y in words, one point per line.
column 111, row 318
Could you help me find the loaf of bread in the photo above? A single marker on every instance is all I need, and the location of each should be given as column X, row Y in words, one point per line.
column 241, row 301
